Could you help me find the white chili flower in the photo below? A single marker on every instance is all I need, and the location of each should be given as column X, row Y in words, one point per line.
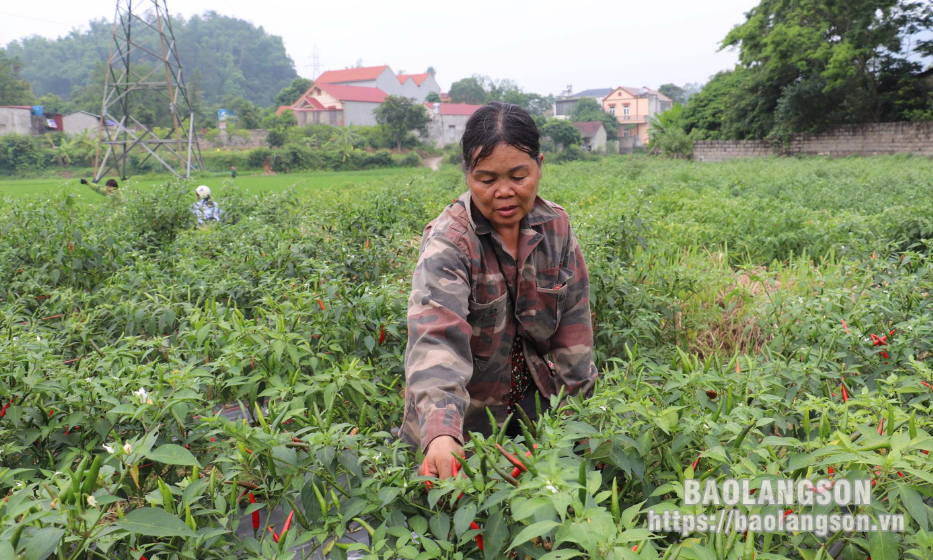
column 108, row 449
column 143, row 396
column 551, row 487
column 92, row 501
column 127, row 448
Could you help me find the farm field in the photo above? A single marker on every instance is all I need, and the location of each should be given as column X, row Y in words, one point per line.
column 756, row 319
column 252, row 184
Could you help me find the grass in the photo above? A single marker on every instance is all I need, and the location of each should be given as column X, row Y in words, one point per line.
column 253, row 184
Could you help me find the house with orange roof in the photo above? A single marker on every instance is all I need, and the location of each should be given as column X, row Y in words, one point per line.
column 633, row 108
column 448, row 121
column 349, row 96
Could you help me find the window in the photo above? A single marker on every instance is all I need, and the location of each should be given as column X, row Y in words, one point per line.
column 625, row 110
column 612, row 109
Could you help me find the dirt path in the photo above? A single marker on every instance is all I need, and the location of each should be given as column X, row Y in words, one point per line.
column 433, row 163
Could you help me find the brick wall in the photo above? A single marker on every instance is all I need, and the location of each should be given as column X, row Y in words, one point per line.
column 863, row 139
column 257, row 137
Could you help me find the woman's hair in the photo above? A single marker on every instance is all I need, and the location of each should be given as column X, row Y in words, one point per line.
column 112, row 183
column 498, row 123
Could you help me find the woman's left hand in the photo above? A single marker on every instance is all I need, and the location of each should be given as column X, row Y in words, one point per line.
column 438, row 460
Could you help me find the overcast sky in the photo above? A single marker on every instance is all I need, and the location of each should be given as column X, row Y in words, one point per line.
column 543, row 45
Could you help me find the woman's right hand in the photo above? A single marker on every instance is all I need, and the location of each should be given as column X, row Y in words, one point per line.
column 437, row 460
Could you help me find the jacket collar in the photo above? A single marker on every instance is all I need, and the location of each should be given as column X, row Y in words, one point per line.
column 541, row 212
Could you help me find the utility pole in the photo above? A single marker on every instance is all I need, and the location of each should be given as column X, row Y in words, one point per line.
column 144, row 81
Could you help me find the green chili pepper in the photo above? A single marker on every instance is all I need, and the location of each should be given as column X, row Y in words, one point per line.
column 464, row 466
column 890, row 420
column 17, row 533
column 335, row 500
column 825, row 428
column 301, row 517
column 322, row 503
column 616, row 512
column 738, row 440
column 505, row 476
column 528, row 427
column 749, row 546
column 505, row 426
column 912, row 426
column 167, row 501
column 90, row 479
column 806, row 423
column 189, row 519
column 492, row 423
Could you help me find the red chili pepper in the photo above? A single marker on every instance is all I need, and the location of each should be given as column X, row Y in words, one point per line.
column 831, row 472
column 321, row 303
column 845, row 393
column 514, row 460
column 881, row 426
column 248, row 450
column 288, row 521
column 252, row 500
column 696, row 463
column 788, row 512
column 900, row 474
column 479, row 538
column 274, row 534
column 3, row 410
column 51, row 412
column 382, row 335
column 212, row 440
column 635, row 548
column 844, row 325
column 423, row 471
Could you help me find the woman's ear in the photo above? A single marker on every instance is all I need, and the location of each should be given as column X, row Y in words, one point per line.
column 540, row 158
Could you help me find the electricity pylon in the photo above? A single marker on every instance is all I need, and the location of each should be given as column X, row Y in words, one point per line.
column 146, row 112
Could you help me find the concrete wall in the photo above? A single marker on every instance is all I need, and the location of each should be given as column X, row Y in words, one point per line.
column 256, row 138
column 359, row 113
column 15, row 121
column 446, row 129
column 865, row 139
column 627, row 144
column 77, row 123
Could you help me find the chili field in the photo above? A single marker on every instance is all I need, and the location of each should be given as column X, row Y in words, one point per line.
column 755, row 319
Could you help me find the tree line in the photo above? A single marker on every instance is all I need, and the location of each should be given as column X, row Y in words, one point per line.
column 808, row 65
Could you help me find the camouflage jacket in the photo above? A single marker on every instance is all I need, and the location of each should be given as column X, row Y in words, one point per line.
column 469, row 300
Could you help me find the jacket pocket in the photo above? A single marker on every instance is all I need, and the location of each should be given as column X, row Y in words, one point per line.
column 487, row 321
column 551, row 292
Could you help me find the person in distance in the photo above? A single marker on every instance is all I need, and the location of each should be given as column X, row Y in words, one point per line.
column 109, row 187
column 205, row 209
column 500, row 290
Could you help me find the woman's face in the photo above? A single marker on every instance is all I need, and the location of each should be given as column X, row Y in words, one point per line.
column 504, row 185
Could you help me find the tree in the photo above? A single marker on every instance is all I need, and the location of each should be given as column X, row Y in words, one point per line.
column 431, row 71
column 668, row 137
column 292, row 92
column 855, row 60
column 588, row 109
column 246, row 114
column 562, row 132
column 676, row 93
column 401, row 115
column 234, row 57
column 13, row 89
column 432, row 97
column 468, row 90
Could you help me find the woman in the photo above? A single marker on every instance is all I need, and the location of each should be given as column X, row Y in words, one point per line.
column 500, row 283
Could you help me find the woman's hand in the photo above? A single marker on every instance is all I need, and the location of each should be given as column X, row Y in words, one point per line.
column 438, row 461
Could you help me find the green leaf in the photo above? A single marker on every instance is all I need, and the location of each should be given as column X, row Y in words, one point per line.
column 561, row 555
column 154, row 522
column 532, row 531
column 882, row 546
column 440, row 525
column 915, row 506
column 43, row 543
column 495, row 536
column 464, row 516
column 171, row 454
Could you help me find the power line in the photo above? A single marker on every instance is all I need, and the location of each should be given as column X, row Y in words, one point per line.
column 36, row 19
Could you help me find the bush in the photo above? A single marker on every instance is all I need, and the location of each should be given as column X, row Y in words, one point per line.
column 21, row 154
column 411, row 159
column 258, row 157
column 277, row 137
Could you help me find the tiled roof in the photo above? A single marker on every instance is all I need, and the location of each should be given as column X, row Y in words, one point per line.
column 637, row 91
column 351, row 75
column 452, row 109
column 418, row 78
column 589, row 128
column 599, row 92
column 354, row 93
